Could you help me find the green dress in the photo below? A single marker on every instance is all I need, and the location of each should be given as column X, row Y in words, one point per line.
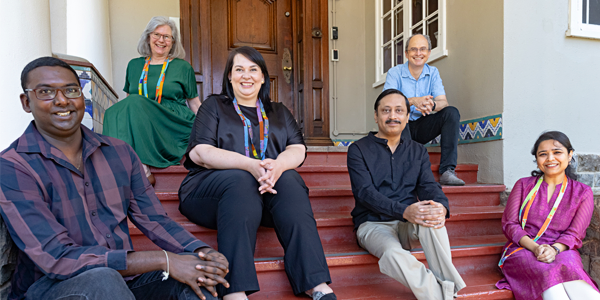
column 158, row 133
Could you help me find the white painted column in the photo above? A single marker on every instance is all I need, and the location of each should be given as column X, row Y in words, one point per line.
column 82, row 29
column 27, row 34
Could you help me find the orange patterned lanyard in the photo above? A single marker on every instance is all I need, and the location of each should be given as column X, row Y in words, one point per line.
column 159, row 84
column 527, row 205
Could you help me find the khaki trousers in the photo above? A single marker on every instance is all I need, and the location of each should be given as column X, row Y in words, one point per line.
column 390, row 242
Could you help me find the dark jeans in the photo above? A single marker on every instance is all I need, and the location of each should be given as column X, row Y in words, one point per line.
column 108, row 284
column 228, row 200
column 445, row 122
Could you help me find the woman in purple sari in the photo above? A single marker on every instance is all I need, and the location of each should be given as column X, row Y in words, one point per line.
column 545, row 220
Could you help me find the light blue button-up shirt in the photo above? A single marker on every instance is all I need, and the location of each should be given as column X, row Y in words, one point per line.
column 429, row 83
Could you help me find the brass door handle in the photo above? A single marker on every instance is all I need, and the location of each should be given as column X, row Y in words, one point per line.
column 286, row 64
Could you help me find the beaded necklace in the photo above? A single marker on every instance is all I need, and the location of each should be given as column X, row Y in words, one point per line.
column 264, row 130
column 527, row 205
column 159, row 84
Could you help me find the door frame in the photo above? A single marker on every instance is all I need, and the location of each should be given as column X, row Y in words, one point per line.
column 311, row 32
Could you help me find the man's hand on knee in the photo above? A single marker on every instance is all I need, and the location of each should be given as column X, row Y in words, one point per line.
column 426, row 213
column 207, row 269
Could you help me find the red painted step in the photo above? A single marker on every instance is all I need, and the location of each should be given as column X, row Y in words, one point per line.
column 336, row 199
column 313, row 175
column 336, row 229
column 475, row 258
column 479, row 286
column 474, row 230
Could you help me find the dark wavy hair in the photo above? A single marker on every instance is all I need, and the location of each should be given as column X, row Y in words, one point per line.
column 255, row 57
column 389, row 92
column 563, row 140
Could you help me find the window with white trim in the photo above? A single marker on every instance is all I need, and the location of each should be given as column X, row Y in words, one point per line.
column 397, row 20
column 584, row 18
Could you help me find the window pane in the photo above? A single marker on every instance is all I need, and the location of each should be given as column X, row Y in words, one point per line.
column 432, row 31
column 417, row 11
column 594, row 12
column 398, row 18
column 399, row 52
column 387, row 28
column 584, row 12
column 418, row 30
column 387, row 58
column 432, row 6
column 386, row 6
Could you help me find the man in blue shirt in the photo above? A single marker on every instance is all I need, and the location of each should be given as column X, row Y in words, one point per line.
column 422, row 84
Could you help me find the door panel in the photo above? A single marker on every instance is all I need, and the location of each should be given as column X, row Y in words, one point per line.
column 290, row 31
column 262, row 25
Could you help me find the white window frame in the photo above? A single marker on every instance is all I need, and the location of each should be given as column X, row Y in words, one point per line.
column 576, row 27
column 439, row 52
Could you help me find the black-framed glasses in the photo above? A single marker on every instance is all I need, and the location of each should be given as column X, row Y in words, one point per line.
column 49, row 93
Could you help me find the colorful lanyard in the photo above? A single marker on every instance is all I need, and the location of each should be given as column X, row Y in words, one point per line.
column 264, row 130
column 527, row 205
column 159, row 84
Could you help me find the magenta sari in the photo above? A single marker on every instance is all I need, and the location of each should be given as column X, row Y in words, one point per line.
column 523, row 274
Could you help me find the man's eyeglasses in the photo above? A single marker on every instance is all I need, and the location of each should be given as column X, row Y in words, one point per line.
column 415, row 50
column 166, row 37
column 48, row 93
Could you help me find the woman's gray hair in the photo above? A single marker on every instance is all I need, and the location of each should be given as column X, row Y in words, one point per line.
column 143, row 47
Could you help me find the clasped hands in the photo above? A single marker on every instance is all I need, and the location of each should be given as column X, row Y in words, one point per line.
column 423, row 104
column 210, row 268
column 267, row 172
column 426, row 213
column 545, row 253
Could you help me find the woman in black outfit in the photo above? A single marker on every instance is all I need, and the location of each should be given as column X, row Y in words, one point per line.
column 241, row 159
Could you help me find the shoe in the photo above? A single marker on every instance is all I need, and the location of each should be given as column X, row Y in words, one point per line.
column 321, row 296
column 449, row 178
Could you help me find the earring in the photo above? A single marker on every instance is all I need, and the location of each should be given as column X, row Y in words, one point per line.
column 262, row 82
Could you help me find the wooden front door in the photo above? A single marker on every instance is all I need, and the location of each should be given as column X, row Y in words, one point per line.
column 296, row 56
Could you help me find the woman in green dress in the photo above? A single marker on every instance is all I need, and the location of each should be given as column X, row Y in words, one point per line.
column 157, row 115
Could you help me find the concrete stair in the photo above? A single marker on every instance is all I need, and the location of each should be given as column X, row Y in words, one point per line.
column 474, row 228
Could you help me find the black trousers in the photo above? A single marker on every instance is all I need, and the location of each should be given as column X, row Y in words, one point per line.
column 445, row 122
column 229, row 201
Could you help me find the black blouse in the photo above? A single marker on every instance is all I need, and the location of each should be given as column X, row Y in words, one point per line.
column 218, row 124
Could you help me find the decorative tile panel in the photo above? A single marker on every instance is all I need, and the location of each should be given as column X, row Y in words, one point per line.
column 98, row 97
column 471, row 131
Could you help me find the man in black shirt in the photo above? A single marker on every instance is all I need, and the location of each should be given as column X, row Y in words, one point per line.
column 398, row 201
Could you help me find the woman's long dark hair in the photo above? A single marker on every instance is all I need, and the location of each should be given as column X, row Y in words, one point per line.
column 563, row 140
column 255, row 57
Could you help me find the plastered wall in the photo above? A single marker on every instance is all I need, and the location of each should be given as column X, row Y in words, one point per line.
column 551, row 82
column 472, row 74
column 127, row 21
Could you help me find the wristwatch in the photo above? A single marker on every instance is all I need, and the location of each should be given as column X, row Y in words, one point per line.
column 433, row 109
column 555, row 248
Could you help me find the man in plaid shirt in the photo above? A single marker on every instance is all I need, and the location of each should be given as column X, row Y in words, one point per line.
column 65, row 196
